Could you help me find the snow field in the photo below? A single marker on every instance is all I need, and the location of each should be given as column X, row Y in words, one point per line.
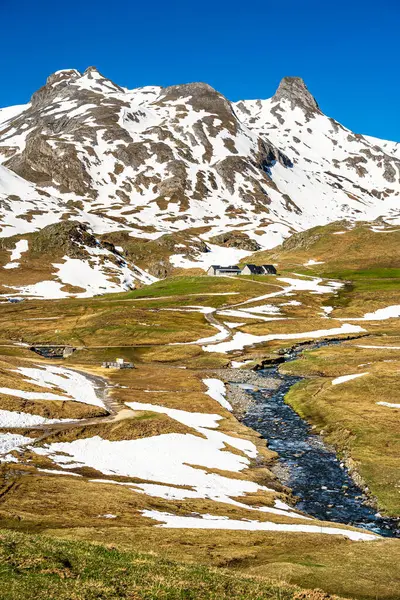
column 95, row 275
column 164, row 459
column 77, row 387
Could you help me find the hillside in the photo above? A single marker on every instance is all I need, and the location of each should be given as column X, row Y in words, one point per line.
column 337, row 248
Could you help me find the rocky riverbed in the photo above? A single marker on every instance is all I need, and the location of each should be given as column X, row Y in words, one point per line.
column 324, row 486
column 238, row 385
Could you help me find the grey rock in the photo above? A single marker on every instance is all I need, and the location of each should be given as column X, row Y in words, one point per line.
column 295, row 90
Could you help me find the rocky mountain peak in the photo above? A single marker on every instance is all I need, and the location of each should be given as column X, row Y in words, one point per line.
column 93, row 73
column 91, row 69
column 202, row 97
column 295, row 90
column 54, row 83
column 98, row 82
column 63, row 75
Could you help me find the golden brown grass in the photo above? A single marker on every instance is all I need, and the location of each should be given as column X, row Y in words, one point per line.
column 122, row 323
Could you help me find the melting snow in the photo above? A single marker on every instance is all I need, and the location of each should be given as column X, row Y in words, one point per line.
column 240, row 339
column 10, row 418
column 164, row 458
column 264, row 309
column 78, row 387
column 167, row 458
column 235, row 364
column 345, row 378
column 9, row 442
column 313, row 285
column 92, row 275
column 380, row 347
column 20, row 247
column 57, row 472
column 91, row 278
column 390, row 312
column 207, row 521
column 313, row 262
column 216, row 390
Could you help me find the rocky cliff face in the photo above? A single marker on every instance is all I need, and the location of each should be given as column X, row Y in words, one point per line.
column 294, row 90
column 158, row 161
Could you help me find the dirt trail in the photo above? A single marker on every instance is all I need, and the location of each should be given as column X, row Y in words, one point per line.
column 117, row 411
column 154, row 298
column 212, row 319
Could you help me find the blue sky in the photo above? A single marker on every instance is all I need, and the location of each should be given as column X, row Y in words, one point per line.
column 346, row 51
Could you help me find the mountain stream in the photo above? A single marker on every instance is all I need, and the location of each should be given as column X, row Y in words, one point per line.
column 306, row 464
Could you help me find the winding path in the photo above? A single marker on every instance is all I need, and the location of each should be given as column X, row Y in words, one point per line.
column 117, row 412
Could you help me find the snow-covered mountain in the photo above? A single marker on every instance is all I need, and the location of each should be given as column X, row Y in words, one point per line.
column 153, row 161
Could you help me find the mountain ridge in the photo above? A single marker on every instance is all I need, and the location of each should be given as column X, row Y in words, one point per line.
column 159, row 161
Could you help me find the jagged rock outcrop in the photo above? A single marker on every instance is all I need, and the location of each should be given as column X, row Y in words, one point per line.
column 295, row 91
column 70, row 237
column 236, row 239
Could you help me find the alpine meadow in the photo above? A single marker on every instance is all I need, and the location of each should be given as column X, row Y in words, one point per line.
column 199, row 347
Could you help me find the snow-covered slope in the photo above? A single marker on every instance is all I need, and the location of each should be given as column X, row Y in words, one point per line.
column 335, row 173
column 156, row 161
column 62, row 260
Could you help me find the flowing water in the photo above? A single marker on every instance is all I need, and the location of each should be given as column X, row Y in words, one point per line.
column 307, row 464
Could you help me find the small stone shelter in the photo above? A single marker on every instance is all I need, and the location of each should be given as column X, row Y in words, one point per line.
column 119, row 363
column 218, row 270
column 250, row 269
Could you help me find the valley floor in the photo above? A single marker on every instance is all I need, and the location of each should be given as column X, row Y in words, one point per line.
column 149, row 459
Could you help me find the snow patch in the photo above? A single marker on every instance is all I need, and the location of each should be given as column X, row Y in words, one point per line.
column 312, row 262
column 9, row 442
column 10, row 418
column 381, row 314
column 240, row 339
column 77, row 387
column 344, row 378
column 208, row 521
column 216, row 390
column 20, row 247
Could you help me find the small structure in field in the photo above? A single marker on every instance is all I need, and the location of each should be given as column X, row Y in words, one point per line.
column 218, row 270
column 119, row 363
column 53, row 350
column 258, row 270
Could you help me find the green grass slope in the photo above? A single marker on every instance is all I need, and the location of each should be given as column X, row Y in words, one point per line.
column 42, row 568
column 340, row 247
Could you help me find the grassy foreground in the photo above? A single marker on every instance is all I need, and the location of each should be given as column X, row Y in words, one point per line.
column 45, row 569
